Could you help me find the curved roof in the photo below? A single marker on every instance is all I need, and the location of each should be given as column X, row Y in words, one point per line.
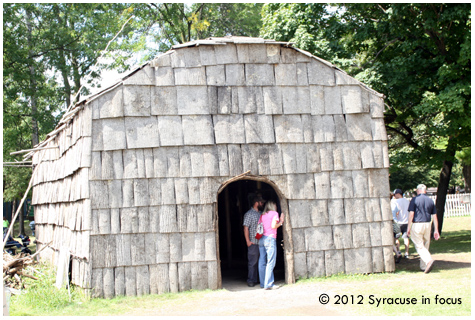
column 213, row 41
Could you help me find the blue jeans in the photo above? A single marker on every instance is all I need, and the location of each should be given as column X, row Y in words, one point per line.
column 267, row 257
column 252, row 260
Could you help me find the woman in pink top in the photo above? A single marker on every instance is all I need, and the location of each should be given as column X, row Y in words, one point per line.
column 268, row 245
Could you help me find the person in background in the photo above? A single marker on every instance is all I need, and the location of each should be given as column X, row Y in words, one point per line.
column 421, row 209
column 268, row 245
column 6, row 224
column 251, row 217
column 396, row 229
column 32, row 227
column 400, row 211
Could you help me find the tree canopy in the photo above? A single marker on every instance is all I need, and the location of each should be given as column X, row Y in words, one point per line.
column 156, row 27
column 50, row 48
column 417, row 55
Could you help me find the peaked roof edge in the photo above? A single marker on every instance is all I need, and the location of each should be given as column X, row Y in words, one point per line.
column 218, row 41
column 208, row 41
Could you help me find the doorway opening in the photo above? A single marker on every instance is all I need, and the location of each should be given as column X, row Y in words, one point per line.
column 233, row 202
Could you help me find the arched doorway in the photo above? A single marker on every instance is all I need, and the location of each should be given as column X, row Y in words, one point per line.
column 234, row 198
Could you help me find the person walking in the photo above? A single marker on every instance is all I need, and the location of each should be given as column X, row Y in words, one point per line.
column 268, row 245
column 421, row 209
column 401, row 212
column 396, row 229
column 251, row 218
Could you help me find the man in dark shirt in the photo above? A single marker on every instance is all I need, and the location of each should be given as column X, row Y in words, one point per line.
column 251, row 219
column 421, row 209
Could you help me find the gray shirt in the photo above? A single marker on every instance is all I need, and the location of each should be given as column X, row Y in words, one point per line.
column 251, row 219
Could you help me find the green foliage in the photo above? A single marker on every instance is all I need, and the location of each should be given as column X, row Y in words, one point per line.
column 419, row 52
column 47, row 50
column 417, row 55
column 41, row 297
column 158, row 26
column 29, row 97
column 232, row 19
column 465, row 156
column 312, row 27
column 407, row 178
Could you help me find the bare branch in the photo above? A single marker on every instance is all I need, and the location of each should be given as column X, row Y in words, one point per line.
column 408, row 137
column 385, row 46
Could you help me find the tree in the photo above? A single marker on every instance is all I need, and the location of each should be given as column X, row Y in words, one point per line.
column 49, row 48
column 464, row 157
column 232, row 19
column 29, row 97
column 159, row 26
column 312, row 27
column 38, row 41
column 418, row 55
column 421, row 54
column 75, row 36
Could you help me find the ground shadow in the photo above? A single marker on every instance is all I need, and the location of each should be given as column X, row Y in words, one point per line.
column 452, row 242
column 445, row 251
column 232, row 282
column 442, row 262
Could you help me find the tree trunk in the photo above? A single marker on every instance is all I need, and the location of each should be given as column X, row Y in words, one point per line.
column 444, row 181
column 442, row 189
column 76, row 72
column 76, row 77
column 33, row 97
column 467, row 175
column 62, row 64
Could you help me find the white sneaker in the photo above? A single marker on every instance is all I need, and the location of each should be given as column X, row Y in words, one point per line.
column 274, row 287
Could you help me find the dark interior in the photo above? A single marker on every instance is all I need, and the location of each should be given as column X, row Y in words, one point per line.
column 233, row 203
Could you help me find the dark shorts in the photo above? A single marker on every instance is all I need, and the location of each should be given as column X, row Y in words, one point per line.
column 403, row 228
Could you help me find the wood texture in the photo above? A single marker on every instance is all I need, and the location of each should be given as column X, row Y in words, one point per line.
column 334, row 262
column 173, row 277
column 119, row 281
column 108, row 282
column 130, row 281
column 96, row 283
column 137, row 101
column 164, row 100
column 143, row 280
column 316, row 264
column 133, row 183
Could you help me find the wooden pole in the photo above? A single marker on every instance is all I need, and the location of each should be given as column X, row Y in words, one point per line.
column 9, row 232
column 17, row 162
column 28, row 150
column 228, row 228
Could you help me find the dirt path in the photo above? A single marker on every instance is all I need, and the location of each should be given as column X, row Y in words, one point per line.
column 237, row 299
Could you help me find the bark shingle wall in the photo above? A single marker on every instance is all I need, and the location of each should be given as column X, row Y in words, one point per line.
column 61, row 196
column 176, row 129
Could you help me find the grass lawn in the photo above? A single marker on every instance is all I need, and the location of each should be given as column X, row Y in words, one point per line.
column 450, row 279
